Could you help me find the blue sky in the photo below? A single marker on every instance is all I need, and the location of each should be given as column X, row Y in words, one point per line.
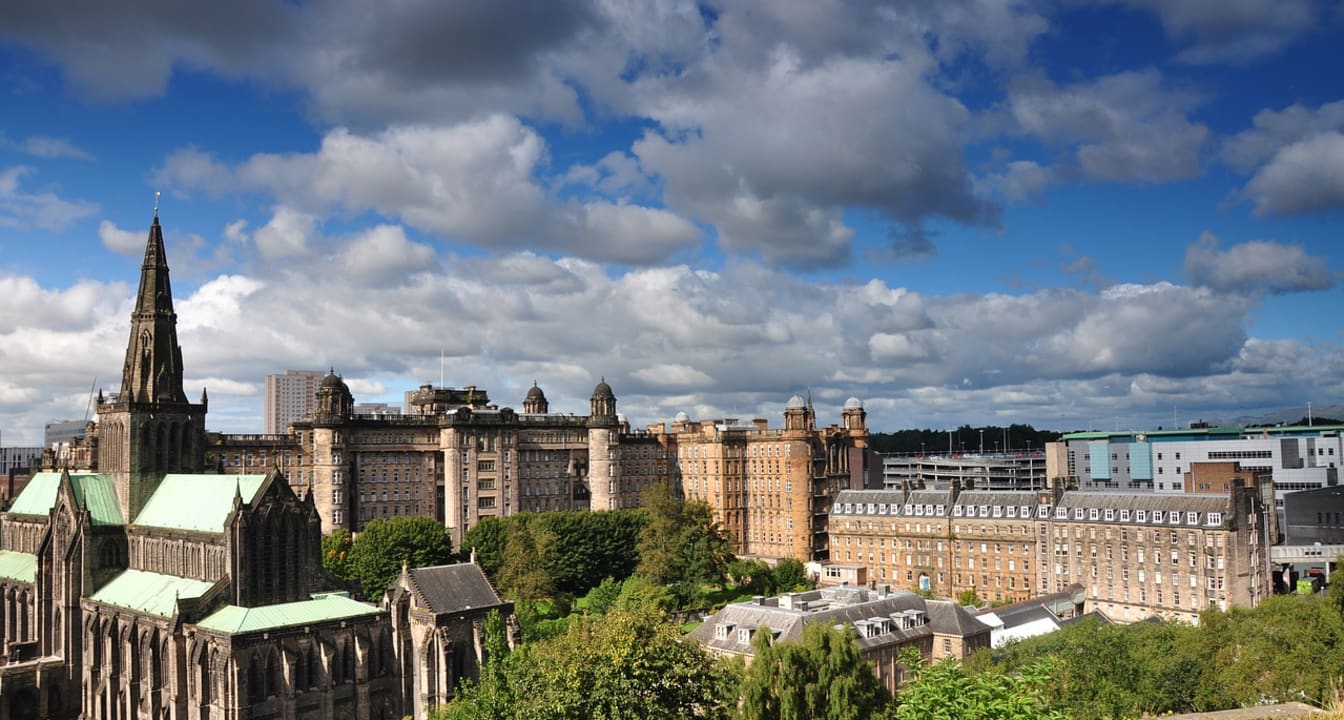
column 1064, row 213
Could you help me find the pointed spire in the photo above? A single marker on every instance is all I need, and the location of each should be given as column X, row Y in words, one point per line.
column 153, row 368
column 205, row 397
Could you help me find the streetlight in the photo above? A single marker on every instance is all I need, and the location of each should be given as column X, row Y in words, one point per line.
column 982, row 441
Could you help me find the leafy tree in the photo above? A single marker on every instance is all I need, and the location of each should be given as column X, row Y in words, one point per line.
column 377, row 554
column 641, row 596
column 948, row 691
column 626, row 666
column 336, row 553
column 969, row 597
column 751, row 576
column 521, row 575
column 1337, row 586
column 790, row 576
column 681, row 542
column 822, row 675
column 601, row 598
column 487, row 539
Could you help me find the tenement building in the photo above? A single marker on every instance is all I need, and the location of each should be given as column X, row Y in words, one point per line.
column 885, row 622
column 1137, row 555
column 152, row 589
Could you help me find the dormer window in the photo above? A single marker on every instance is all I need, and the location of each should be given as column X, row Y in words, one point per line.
column 723, row 630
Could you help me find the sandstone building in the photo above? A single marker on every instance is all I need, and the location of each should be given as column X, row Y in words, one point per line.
column 1136, row 555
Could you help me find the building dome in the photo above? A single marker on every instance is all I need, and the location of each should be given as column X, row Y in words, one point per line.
column 682, row 417
column 853, row 404
column 535, row 393
column 796, row 403
column 333, row 381
column 603, row 390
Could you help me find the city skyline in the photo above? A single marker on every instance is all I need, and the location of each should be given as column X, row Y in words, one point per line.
column 1060, row 215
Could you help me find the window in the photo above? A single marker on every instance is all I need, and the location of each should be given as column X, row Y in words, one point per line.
column 1214, row 518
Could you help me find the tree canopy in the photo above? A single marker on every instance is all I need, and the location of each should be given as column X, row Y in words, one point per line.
column 378, row 552
column 681, row 542
column 822, row 675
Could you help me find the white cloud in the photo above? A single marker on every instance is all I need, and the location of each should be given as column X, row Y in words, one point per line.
column 384, row 253
column 45, row 210
column 236, row 232
column 1272, row 130
column 1255, row 266
column 475, row 182
column 1232, row 31
column 1306, row 176
column 123, row 242
column 1127, row 127
column 46, row 147
column 673, row 376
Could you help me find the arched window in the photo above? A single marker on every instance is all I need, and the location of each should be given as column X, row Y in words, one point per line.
column 273, row 684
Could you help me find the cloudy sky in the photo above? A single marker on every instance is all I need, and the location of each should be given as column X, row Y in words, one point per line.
column 1072, row 214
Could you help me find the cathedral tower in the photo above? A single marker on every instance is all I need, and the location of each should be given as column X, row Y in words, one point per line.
column 603, row 440
column 149, row 428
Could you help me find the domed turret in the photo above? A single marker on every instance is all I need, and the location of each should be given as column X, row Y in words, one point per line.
column 682, row 417
column 333, row 399
column 796, row 403
column 535, row 402
column 854, row 416
column 602, row 405
column 853, row 403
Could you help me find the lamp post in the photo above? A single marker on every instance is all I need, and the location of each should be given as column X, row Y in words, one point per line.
column 982, row 441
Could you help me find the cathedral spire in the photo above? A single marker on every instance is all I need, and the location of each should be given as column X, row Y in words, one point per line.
column 153, row 369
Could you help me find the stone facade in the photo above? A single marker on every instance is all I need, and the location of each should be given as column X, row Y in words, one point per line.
column 1137, row 555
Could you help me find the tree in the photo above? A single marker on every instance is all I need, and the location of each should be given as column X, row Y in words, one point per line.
column 521, row 575
column 625, row 666
column 336, row 553
column 790, row 576
column 377, row 554
column 601, row 598
column 681, row 543
column 487, row 539
column 969, row 598
column 751, row 576
column 1337, row 586
column 947, row 691
column 822, row 675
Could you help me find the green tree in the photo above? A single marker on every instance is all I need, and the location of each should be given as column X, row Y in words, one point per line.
column 969, row 597
column 681, row 543
column 521, row 574
column 625, row 666
column 336, row 553
column 487, row 539
column 1337, row 586
column 945, row 690
column 642, row 596
column 790, row 576
column 822, row 675
column 601, row 598
column 377, row 553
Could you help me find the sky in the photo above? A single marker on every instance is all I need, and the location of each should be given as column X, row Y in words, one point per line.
column 1070, row 214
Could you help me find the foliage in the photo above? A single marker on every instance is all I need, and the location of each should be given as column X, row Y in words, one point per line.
column 751, row 576
column 681, row 543
column 964, row 437
column 642, row 596
column 822, row 675
column 336, row 553
column 586, row 548
column 969, row 597
column 790, row 576
column 1337, row 586
column 623, row 666
column 521, row 575
column 601, row 598
column 947, row 691
column 378, row 552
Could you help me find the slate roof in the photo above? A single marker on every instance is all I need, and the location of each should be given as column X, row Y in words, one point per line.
column 453, row 588
column 18, row 566
column 198, row 503
column 149, row 592
column 835, row 606
column 94, row 492
column 1005, row 498
column 237, row 620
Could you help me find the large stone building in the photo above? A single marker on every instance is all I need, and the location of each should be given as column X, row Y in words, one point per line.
column 149, row 589
column 1137, row 555
column 458, row 457
column 885, row 622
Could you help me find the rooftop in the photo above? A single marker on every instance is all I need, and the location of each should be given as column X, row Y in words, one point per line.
column 149, row 592
column 93, row 492
column 199, row 503
column 237, row 620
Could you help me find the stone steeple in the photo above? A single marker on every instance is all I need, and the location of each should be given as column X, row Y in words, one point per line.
column 149, row 428
column 153, row 369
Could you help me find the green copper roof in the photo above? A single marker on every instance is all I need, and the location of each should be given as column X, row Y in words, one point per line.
column 149, row 592
column 39, row 495
column 98, row 495
column 235, row 620
column 196, row 502
column 18, row 566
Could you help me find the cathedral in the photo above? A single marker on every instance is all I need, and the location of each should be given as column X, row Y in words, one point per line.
column 149, row 588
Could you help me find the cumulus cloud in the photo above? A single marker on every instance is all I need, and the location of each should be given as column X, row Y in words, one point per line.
column 1126, row 127
column 45, row 147
column 45, row 210
column 1272, row 130
column 1255, row 266
column 476, row 182
column 1233, row 32
column 1306, row 176
column 123, row 242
